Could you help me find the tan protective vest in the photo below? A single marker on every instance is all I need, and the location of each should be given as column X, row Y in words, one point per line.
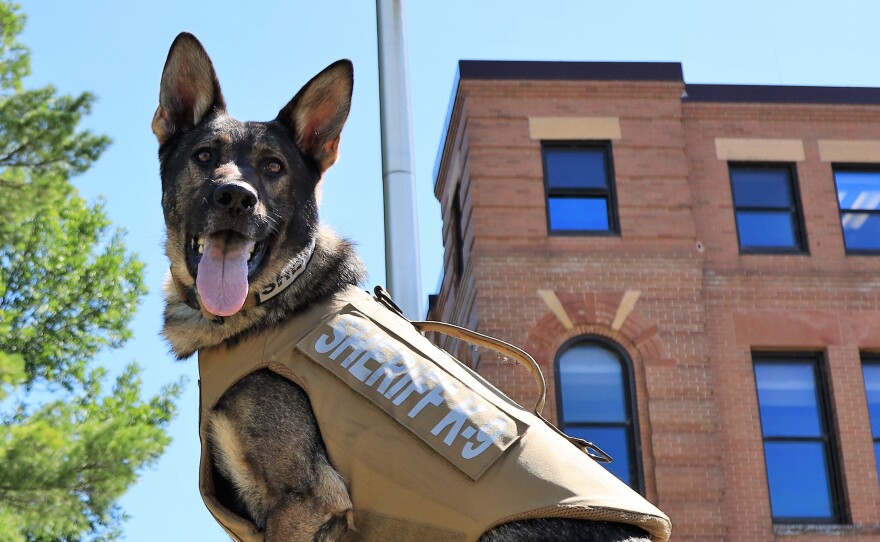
column 430, row 451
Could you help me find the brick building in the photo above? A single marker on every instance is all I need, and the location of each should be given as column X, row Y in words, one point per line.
column 697, row 270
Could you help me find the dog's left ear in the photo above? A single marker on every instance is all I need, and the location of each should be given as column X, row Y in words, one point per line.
column 316, row 114
column 189, row 90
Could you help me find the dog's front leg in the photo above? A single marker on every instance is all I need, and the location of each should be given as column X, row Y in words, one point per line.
column 265, row 442
column 326, row 517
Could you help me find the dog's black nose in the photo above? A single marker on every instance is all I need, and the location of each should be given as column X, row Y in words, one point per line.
column 235, row 198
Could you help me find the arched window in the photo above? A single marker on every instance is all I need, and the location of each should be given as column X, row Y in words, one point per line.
column 594, row 386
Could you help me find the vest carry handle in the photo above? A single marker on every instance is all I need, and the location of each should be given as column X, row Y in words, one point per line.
column 499, row 346
column 522, row 357
column 504, row 348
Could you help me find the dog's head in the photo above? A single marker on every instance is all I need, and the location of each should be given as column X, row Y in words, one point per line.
column 240, row 197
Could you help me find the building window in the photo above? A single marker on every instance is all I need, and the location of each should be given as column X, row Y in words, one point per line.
column 767, row 207
column 457, row 235
column 595, row 401
column 871, row 370
column 858, row 195
column 798, row 448
column 579, row 181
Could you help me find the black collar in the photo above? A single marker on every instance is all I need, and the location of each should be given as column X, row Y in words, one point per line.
column 297, row 266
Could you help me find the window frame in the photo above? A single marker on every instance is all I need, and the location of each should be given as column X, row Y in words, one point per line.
column 873, row 359
column 796, row 209
column 609, row 193
column 636, row 469
column 868, row 167
column 829, row 438
column 457, row 235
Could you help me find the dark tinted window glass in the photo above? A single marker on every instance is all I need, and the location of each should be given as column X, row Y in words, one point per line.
column 578, row 213
column 877, row 456
column 766, row 209
column 787, row 395
column 799, row 485
column 761, row 187
column 872, row 390
column 858, row 193
column 797, row 446
column 580, row 188
column 861, row 230
column 858, row 189
column 594, row 403
column 592, row 384
column 766, row 229
column 575, row 168
column 871, row 371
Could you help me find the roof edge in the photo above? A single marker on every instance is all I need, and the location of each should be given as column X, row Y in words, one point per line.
column 444, row 132
column 570, row 71
column 781, row 94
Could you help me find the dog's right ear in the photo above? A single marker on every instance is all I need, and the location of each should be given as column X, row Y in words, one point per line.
column 315, row 116
column 189, row 88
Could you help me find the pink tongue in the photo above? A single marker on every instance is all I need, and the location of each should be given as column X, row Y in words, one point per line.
column 222, row 278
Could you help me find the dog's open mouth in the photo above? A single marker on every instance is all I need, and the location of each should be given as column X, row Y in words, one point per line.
column 222, row 263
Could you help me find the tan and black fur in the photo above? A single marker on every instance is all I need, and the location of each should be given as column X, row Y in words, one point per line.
column 256, row 182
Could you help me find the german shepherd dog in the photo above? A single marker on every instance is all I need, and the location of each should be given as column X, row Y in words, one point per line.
column 240, row 207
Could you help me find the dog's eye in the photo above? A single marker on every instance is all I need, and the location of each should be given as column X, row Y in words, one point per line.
column 204, row 155
column 274, row 167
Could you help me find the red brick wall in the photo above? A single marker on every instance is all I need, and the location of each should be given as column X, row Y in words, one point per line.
column 822, row 302
column 703, row 307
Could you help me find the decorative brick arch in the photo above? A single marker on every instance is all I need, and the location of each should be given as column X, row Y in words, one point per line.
column 594, row 314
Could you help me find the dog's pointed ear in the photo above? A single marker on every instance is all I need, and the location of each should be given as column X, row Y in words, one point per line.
column 189, row 88
column 316, row 114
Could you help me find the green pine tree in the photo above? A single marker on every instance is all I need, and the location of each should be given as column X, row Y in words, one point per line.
column 69, row 447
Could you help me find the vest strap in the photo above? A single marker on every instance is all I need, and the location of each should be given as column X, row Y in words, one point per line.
column 520, row 356
column 478, row 339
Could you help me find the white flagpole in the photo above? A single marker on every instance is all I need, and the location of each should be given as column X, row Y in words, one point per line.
column 402, row 262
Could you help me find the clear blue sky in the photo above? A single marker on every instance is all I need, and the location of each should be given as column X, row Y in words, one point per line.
column 264, row 51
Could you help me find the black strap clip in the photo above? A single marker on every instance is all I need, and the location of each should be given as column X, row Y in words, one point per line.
column 384, row 298
column 592, row 450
